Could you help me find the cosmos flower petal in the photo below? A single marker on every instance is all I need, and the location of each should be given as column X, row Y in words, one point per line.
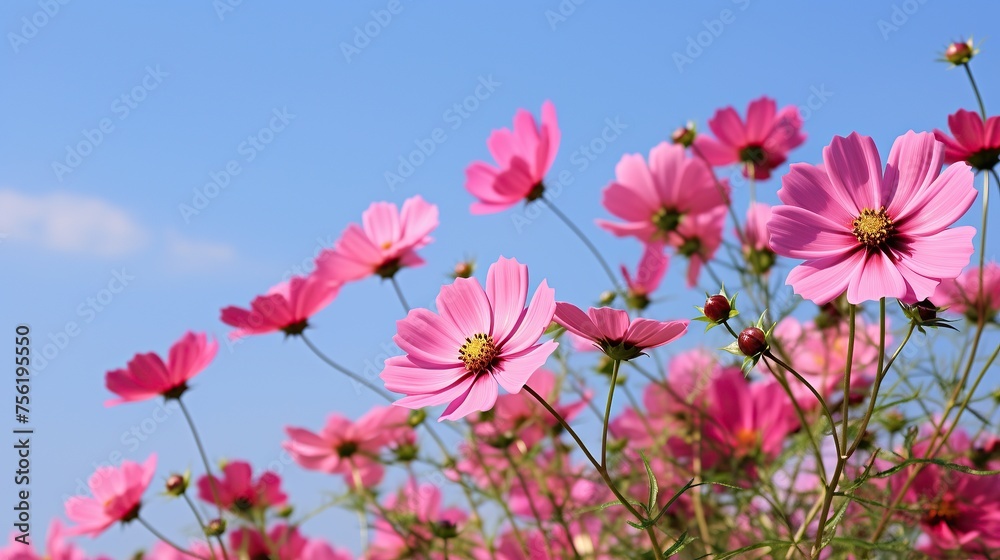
column 481, row 396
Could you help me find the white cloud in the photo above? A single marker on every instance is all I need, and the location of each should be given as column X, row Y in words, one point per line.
column 191, row 255
column 69, row 223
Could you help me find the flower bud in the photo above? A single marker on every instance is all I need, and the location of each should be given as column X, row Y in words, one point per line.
column 684, row 135
column 444, row 529
column 406, row 452
column 960, row 52
column 416, row 417
column 752, row 341
column 717, row 308
column 926, row 310
column 894, row 421
column 215, row 527
column 607, row 297
column 286, row 511
column 176, row 485
column 463, row 269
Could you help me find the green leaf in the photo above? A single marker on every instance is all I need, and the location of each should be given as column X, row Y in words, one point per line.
column 654, row 490
column 682, row 542
column 779, row 545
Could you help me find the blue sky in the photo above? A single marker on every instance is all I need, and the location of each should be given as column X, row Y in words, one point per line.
column 118, row 115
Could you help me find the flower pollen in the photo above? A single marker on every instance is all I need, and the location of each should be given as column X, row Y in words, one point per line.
column 666, row 219
column 873, row 227
column 479, row 353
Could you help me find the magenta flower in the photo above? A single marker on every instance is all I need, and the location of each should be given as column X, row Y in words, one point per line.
column 117, row 495
column 523, row 157
column 147, row 377
column 652, row 267
column 349, row 448
column 875, row 235
column 961, row 295
column 747, row 419
column 656, row 198
column 420, row 505
column 610, row 330
column 479, row 339
column 281, row 542
column 762, row 143
column 975, row 142
column 286, row 307
column 386, row 241
column 238, row 491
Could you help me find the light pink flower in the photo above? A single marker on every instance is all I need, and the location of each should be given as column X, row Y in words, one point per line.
column 386, row 241
column 698, row 240
column 147, row 376
column 420, row 506
column 522, row 415
column 961, row 295
column 975, row 142
column 648, row 275
column 286, row 307
column 478, row 339
column 349, row 448
column 655, row 199
column 821, row 358
column 611, row 330
column 238, row 491
column 117, row 494
column 763, row 142
column 56, row 547
column 875, row 235
column 523, row 157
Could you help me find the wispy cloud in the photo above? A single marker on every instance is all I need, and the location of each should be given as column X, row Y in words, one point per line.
column 69, row 223
column 192, row 255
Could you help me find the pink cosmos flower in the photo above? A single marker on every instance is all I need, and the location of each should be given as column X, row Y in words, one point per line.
column 821, row 358
column 419, row 507
column 286, row 307
column 523, row 157
column 744, row 419
column 386, row 241
column 522, row 415
column 281, row 543
column 611, row 330
column 117, row 494
column 961, row 295
column 648, row 275
column 656, row 198
column 757, row 239
column 871, row 233
column 238, row 491
column 163, row 551
column 975, row 142
column 56, row 547
column 147, row 376
column 349, row 448
column 561, row 489
column 700, row 237
column 763, row 142
column 479, row 339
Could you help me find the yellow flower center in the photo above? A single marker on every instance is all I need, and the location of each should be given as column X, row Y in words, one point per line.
column 478, row 353
column 873, row 227
column 386, row 245
column 945, row 511
column 746, row 440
